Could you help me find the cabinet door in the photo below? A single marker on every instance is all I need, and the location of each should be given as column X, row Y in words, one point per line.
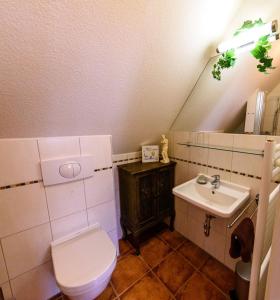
column 165, row 185
column 146, row 198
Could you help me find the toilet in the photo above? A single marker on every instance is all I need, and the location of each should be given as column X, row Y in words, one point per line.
column 83, row 262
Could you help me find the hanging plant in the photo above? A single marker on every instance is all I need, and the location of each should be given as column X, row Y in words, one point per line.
column 227, row 60
column 260, row 52
column 248, row 25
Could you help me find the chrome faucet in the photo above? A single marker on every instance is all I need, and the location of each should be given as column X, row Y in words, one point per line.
column 215, row 181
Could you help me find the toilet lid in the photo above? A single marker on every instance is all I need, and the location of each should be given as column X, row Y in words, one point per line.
column 83, row 258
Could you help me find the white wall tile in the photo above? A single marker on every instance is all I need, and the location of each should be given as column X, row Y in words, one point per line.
column 104, row 214
column 220, row 159
column 193, row 137
column 180, row 223
column 194, row 170
column 120, row 159
column 65, row 199
column 26, row 250
column 180, row 136
column 170, row 137
column 117, row 201
column 181, row 205
column 19, row 161
column 69, row 224
column 181, row 173
column 116, row 176
column 219, row 225
column 58, row 147
column 100, row 147
column 215, row 244
column 3, row 270
column 119, row 228
column 7, row 292
column 194, row 231
column 99, row 188
column 247, row 163
column 39, row 283
column 196, row 213
column 223, row 174
column 180, row 151
column 22, row 207
column 202, row 138
column 246, row 141
column 132, row 155
column 220, row 139
column 199, row 155
column 116, row 186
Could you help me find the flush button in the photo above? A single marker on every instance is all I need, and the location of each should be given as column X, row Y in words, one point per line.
column 76, row 169
column 70, row 169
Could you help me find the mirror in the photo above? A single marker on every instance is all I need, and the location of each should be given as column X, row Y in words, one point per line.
column 221, row 105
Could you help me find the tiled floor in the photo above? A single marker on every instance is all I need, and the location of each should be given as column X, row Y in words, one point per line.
column 169, row 267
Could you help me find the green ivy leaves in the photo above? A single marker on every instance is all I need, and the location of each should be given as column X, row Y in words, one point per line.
column 260, row 52
column 248, row 25
column 227, row 60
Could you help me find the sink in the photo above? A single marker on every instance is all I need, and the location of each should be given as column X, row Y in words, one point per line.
column 221, row 202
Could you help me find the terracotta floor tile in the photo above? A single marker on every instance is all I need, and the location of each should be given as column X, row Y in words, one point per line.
column 194, row 254
column 222, row 276
column 199, row 288
column 128, row 270
column 107, row 294
column 174, row 271
column 124, row 246
column 173, row 238
column 154, row 251
column 148, row 288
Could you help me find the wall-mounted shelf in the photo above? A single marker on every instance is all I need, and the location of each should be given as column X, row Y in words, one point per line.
column 221, row 148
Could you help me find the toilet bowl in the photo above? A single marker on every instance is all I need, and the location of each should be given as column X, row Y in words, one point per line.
column 83, row 262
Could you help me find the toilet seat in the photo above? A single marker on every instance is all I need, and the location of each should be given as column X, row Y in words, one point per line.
column 83, row 260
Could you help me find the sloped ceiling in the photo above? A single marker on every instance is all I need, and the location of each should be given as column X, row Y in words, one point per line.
column 103, row 67
column 220, row 105
column 215, row 105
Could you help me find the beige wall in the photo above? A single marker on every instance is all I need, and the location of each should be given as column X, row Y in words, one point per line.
column 275, row 91
column 102, row 67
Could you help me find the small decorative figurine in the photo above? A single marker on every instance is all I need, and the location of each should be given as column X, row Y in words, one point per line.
column 164, row 149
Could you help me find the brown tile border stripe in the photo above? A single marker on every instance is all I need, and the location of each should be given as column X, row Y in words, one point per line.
column 20, row 184
column 10, row 186
column 127, row 160
column 220, row 169
column 102, row 169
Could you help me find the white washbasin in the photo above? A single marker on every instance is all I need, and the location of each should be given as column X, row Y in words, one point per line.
column 222, row 202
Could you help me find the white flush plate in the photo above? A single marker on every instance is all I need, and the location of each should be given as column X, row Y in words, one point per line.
column 51, row 169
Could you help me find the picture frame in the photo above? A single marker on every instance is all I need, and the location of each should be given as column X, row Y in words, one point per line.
column 150, row 153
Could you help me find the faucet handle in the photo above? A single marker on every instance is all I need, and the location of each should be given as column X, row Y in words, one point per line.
column 216, row 177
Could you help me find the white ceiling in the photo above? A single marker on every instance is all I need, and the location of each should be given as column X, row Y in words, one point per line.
column 106, row 67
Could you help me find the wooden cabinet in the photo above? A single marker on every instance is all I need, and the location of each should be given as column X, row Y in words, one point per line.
column 146, row 197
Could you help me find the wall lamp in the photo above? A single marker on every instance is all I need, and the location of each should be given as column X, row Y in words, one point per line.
column 249, row 37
